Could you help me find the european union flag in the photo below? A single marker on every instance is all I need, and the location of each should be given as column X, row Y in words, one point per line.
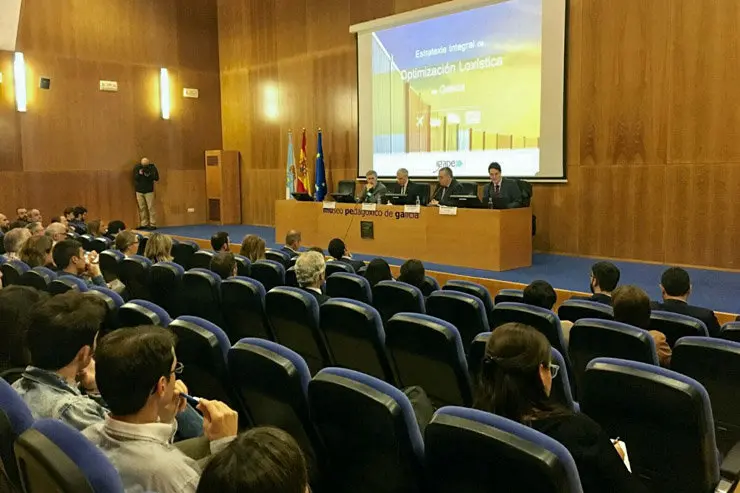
column 320, row 171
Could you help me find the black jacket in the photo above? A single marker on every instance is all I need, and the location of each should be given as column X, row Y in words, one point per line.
column 292, row 253
column 704, row 314
column 455, row 188
column 598, row 298
column 321, row 298
column 356, row 264
column 509, row 195
column 144, row 181
column 413, row 190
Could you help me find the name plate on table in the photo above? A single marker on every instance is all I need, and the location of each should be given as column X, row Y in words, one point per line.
column 412, row 209
column 329, row 205
column 369, row 207
column 447, row 211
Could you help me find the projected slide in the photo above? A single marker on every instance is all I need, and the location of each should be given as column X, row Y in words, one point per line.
column 459, row 90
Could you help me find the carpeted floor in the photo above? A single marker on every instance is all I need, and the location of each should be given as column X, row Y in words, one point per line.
column 713, row 289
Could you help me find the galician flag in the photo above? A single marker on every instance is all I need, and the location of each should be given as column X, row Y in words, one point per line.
column 320, row 171
column 303, row 184
column 290, row 168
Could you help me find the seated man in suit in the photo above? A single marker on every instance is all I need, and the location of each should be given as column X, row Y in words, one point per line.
column 224, row 264
column 541, row 293
column 292, row 243
column 501, row 192
column 604, row 280
column 675, row 286
column 338, row 250
column 632, row 307
column 405, row 187
column 310, row 272
column 374, row 191
column 448, row 187
column 220, row 242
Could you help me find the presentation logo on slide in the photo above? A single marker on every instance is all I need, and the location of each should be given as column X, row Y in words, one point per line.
column 455, row 163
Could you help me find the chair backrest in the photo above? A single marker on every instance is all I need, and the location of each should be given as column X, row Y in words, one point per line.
column 347, row 285
column 243, row 266
column 715, row 364
column 12, row 271
column 730, row 331
column 143, row 240
column 355, row 336
column 333, row 267
column 478, row 452
column 657, row 412
column 574, row 310
column 15, row 418
column 201, row 259
column 65, row 283
column 113, row 302
column 509, row 296
column 269, row 272
column 142, row 312
column 542, row 319
column 391, row 297
column 134, row 273
column 53, row 456
column 201, row 294
column 469, row 188
column 86, row 240
column 428, row 352
column 369, row 430
column 183, row 253
column 38, row 277
column 243, row 305
column 471, row 288
column 676, row 326
column 279, row 397
column 100, row 244
column 592, row 338
column 165, row 280
column 290, row 278
column 276, row 255
column 430, row 284
column 110, row 264
column 464, row 311
column 294, row 318
column 346, row 186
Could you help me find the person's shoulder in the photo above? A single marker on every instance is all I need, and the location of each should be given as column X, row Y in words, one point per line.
column 569, row 424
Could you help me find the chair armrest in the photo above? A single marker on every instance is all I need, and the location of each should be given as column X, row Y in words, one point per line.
column 729, row 470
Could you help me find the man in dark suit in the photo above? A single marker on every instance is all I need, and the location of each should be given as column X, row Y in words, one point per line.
column 310, row 272
column 501, row 192
column 448, row 187
column 292, row 243
column 675, row 287
column 604, row 280
column 406, row 187
column 338, row 250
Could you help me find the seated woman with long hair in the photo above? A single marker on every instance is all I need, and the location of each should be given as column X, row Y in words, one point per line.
column 378, row 270
column 515, row 382
column 253, row 247
column 159, row 248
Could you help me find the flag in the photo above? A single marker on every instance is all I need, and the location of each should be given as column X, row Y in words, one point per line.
column 303, row 185
column 320, row 171
column 290, row 169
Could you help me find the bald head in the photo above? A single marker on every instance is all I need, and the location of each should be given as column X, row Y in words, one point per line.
column 57, row 231
column 4, row 222
column 144, row 161
column 293, row 239
column 34, row 216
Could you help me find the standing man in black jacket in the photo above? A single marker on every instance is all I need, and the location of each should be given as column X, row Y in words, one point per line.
column 145, row 174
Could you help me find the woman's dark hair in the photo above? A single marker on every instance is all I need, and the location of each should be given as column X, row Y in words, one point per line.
column 17, row 303
column 378, row 270
column 412, row 272
column 261, row 460
column 510, row 383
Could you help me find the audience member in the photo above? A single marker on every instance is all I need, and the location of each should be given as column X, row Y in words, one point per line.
column 127, row 242
column 292, row 243
column 21, row 215
column 114, row 227
column 17, row 303
column 675, row 288
column 412, row 272
column 136, row 372
column 159, row 248
column 338, row 250
column 632, row 306
column 515, row 382
column 261, row 460
column 60, row 339
column 310, row 272
column 4, row 224
column 69, row 217
column 541, row 293
column 603, row 280
column 36, row 228
column 36, row 251
column 220, row 242
column 56, row 231
column 378, row 270
column 95, row 228
column 18, row 224
column 59, row 219
column 224, row 264
column 69, row 257
column 316, row 249
column 13, row 242
column 253, row 247
column 34, row 216
column 79, row 217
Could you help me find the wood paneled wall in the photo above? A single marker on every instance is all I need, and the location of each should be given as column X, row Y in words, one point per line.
column 77, row 145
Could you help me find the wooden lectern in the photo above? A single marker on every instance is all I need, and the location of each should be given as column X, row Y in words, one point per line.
column 223, row 187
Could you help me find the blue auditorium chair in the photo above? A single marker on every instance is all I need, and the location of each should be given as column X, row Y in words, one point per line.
column 714, row 363
column 100, row 244
column 676, row 326
column 464, row 311
column 202, row 259
column 113, row 302
column 38, row 277
column 86, row 241
column 665, row 419
column 347, row 285
column 243, row 266
column 201, row 294
column 12, row 271
column 243, row 305
column 471, row 288
column 134, row 274
column 429, row 285
column 355, row 336
column 183, row 252
column 110, row 264
column 391, row 297
column 370, row 433
column 592, row 338
column 143, row 240
column 67, row 282
column 142, row 312
column 294, row 318
column 542, row 319
column 574, row 310
column 561, row 386
column 509, row 296
column 279, row 396
column 473, row 451
column 202, row 348
column 15, row 418
column 269, row 272
column 53, row 456
column 277, row 256
column 165, row 281
column 730, row 331
column 332, row 267
column 290, row 278
column 427, row 351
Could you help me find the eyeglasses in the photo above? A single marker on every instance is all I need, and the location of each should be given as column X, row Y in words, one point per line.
column 554, row 369
column 179, row 367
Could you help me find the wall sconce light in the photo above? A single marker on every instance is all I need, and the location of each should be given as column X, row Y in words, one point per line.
column 164, row 93
column 19, row 72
